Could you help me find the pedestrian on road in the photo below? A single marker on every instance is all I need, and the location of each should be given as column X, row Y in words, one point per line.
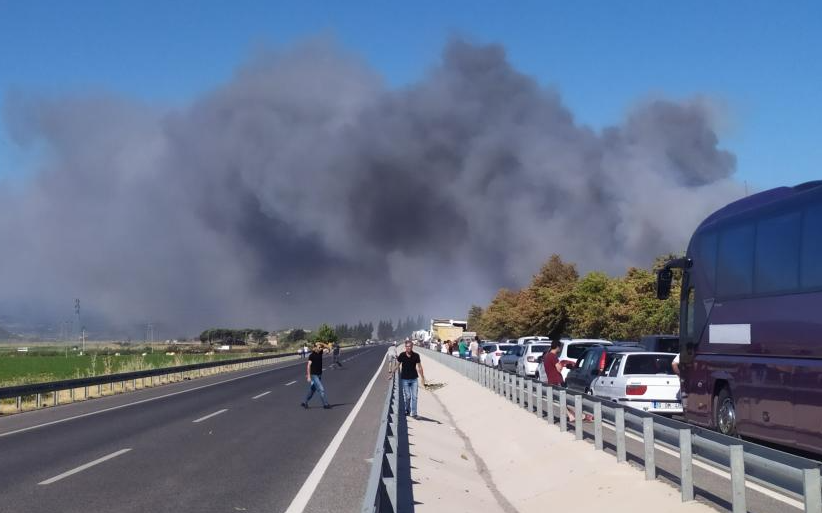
column 304, row 351
column 336, row 353
column 313, row 375
column 410, row 368
column 553, row 370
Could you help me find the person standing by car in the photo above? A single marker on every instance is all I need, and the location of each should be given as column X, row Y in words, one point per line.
column 462, row 347
column 474, row 349
column 313, row 375
column 553, row 371
column 410, row 368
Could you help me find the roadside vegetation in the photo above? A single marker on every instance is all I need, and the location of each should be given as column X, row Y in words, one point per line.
column 558, row 302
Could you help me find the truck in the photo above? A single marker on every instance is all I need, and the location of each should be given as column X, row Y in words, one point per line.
column 447, row 329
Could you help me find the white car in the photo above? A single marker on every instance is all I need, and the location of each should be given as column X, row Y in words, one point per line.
column 493, row 352
column 528, row 362
column 644, row 381
column 572, row 350
column 532, row 339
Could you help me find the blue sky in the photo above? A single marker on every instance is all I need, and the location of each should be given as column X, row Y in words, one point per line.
column 759, row 61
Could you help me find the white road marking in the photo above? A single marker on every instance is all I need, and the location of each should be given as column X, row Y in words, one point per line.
column 260, row 395
column 141, row 401
column 84, row 467
column 210, row 415
column 300, row 501
column 290, row 383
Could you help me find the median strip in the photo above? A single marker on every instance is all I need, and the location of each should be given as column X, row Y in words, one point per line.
column 260, row 395
column 84, row 467
column 210, row 415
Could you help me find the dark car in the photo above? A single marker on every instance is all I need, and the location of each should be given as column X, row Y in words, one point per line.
column 508, row 360
column 593, row 363
column 660, row 343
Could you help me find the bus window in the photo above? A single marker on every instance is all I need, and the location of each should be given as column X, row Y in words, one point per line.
column 777, row 254
column 812, row 248
column 734, row 268
column 707, row 259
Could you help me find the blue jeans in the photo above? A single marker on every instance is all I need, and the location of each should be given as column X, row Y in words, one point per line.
column 409, row 390
column 316, row 384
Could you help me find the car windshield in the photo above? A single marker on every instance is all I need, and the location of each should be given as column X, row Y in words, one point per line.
column 515, row 350
column 648, row 364
column 539, row 348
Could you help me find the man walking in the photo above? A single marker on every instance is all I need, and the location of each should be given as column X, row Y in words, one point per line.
column 336, row 353
column 313, row 374
column 410, row 370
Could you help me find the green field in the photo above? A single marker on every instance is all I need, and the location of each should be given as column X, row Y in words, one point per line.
column 18, row 369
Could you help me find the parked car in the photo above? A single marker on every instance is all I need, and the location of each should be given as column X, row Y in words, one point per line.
column 495, row 351
column 527, row 362
column 508, row 360
column 643, row 380
column 593, row 364
column 660, row 343
column 572, row 350
column 532, row 339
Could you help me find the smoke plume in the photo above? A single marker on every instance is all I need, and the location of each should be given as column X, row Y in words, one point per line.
column 306, row 190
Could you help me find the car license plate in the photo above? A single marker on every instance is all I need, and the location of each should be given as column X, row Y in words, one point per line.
column 664, row 406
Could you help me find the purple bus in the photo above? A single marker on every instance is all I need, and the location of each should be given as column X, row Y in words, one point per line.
column 751, row 318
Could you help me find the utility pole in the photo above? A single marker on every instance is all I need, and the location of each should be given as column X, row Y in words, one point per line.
column 84, row 340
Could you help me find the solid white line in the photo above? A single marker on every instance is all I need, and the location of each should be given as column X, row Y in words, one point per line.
column 84, row 467
column 300, row 501
column 141, row 401
column 210, row 415
column 264, row 393
column 290, row 383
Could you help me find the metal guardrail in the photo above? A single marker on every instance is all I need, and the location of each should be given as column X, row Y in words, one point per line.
column 788, row 474
column 38, row 390
column 381, row 491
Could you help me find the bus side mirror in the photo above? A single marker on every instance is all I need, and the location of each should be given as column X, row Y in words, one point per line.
column 664, row 278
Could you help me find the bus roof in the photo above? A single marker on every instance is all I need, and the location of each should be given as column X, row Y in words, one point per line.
column 758, row 200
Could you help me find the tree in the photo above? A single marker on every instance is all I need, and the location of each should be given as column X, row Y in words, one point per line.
column 296, row 335
column 475, row 319
column 326, row 334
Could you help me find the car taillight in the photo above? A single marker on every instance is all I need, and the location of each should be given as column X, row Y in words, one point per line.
column 498, row 353
column 602, row 362
column 532, row 359
column 636, row 389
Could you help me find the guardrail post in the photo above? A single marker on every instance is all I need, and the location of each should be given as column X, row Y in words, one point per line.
column 578, row 413
column 498, row 381
column 619, row 432
column 598, row 426
column 738, row 479
column 100, row 390
column 648, row 436
column 539, row 400
column 71, row 395
column 55, row 400
column 686, row 477
column 550, row 403
column 813, row 490
column 39, row 402
column 19, row 403
column 563, row 411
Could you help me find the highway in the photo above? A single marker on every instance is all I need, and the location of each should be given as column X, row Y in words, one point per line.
column 232, row 442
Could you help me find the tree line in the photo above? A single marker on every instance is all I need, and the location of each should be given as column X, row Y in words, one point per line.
column 234, row 337
column 360, row 331
column 559, row 303
column 387, row 331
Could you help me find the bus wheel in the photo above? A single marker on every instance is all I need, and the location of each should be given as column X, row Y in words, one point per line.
column 725, row 413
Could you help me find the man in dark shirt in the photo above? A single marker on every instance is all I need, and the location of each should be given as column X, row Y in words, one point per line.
column 410, row 370
column 313, row 374
column 336, row 353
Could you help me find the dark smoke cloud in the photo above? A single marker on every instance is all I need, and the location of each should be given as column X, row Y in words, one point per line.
column 306, row 190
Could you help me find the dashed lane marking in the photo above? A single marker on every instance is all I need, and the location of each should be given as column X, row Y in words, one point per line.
column 290, row 383
column 83, row 467
column 210, row 415
column 260, row 395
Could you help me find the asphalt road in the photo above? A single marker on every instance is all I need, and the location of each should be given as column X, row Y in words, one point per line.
column 237, row 445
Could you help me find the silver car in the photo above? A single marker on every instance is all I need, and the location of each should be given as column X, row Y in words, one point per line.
column 508, row 360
